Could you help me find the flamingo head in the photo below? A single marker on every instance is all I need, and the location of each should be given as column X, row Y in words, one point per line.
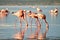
column 24, row 11
column 5, row 10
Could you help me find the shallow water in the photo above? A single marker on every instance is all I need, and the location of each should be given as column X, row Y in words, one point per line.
column 7, row 27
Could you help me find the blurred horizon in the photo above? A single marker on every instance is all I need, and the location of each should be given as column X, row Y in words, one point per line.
column 29, row 2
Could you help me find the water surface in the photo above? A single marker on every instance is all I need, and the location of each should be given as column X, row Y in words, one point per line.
column 7, row 27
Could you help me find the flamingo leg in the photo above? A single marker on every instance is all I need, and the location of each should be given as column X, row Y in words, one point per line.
column 44, row 34
column 23, row 31
column 47, row 27
column 20, row 24
column 6, row 19
column 26, row 24
column 31, row 25
column 38, row 27
column 15, row 25
column 2, row 20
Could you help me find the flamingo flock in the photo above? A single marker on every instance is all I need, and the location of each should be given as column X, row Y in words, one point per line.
column 22, row 16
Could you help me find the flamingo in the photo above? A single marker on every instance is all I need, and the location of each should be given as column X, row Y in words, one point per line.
column 54, row 12
column 21, row 16
column 34, row 15
column 4, row 14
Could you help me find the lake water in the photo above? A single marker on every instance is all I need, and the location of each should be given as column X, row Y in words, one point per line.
column 7, row 26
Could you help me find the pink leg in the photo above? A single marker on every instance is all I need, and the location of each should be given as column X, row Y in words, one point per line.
column 15, row 25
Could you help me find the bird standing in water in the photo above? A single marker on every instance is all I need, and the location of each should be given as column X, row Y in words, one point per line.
column 4, row 14
column 21, row 16
column 54, row 12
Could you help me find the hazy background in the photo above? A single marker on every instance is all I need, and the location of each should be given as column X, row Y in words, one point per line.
column 29, row 2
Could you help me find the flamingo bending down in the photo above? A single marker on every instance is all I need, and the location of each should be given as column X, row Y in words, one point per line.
column 21, row 15
column 39, row 10
column 34, row 15
column 42, row 16
column 4, row 14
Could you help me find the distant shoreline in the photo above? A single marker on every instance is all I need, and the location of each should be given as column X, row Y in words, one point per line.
column 29, row 5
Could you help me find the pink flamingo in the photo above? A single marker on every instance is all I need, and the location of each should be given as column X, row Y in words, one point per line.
column 21, row 16
column 34, row 15
column 54, row 12
column 3, row 13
